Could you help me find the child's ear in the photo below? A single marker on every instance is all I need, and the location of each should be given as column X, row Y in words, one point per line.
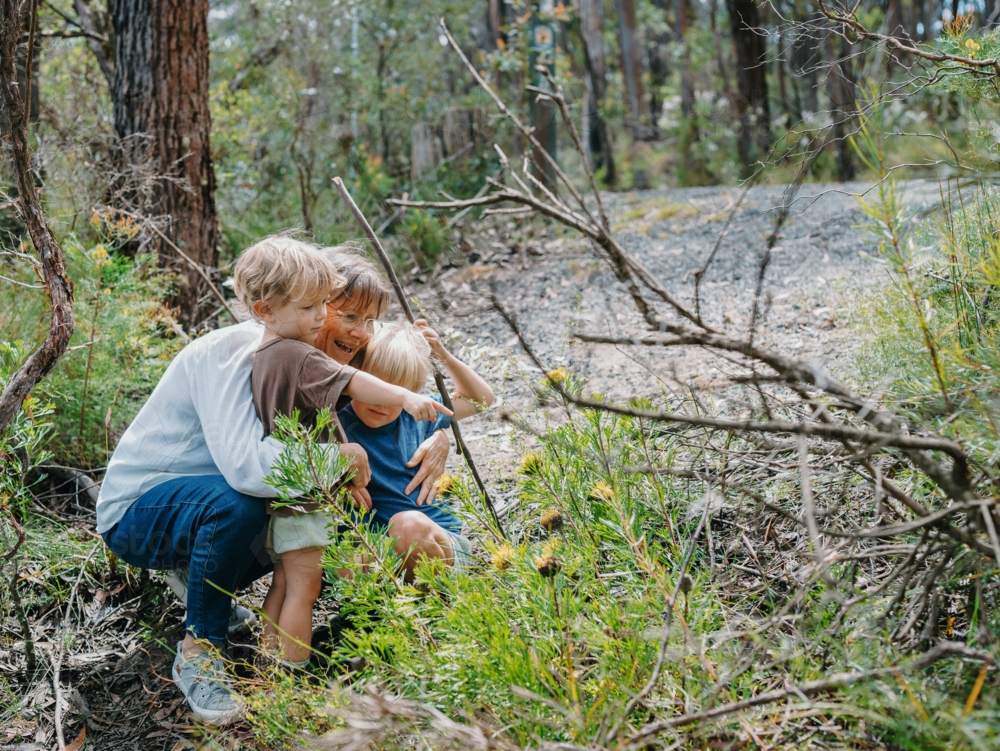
column 263, row 310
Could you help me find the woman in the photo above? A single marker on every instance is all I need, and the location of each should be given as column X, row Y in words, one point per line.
column 183, row 489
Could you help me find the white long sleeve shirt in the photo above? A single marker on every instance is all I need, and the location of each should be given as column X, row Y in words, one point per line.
column 199, row 420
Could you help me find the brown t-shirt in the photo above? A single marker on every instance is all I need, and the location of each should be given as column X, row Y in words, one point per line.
column 289, row 375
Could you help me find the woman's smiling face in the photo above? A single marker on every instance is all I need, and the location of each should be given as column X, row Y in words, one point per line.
column 345, row 331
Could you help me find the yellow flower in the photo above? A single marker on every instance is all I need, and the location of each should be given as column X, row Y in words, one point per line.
column 445, row 483
column 972, row 46
column 557, row 376
column 531, row 463
column 100, row 255
column 502, row 557
column 602, row 491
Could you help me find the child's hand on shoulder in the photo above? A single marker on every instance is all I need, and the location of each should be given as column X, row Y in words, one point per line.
column 432, row 337
column 423, row 407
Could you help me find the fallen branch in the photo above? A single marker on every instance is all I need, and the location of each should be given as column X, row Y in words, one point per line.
column 836, row 681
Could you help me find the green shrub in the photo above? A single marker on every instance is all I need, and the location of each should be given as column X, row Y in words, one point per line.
column 555, row 629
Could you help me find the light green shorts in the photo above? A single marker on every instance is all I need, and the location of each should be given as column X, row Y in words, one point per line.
column 285, row 533
column 461, row 549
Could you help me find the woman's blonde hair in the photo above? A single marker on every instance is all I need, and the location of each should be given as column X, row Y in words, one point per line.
column 361, row 283
column 279, row 269
column 398, row 354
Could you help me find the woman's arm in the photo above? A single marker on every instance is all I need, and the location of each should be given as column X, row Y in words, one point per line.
column 431, row 456
column 473, row 393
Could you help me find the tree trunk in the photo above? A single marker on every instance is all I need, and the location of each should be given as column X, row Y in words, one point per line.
column 632, row 68
column 895, row 27
column 98, row 25
column 751, row 102
column 592, row 37
column 162, row 120
column 840, row 84
column 804, row 75
column 495, row 19
column 683, row 12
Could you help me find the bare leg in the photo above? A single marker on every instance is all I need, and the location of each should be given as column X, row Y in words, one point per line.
column 418, row 537
column 272, row 606
column 303, row 580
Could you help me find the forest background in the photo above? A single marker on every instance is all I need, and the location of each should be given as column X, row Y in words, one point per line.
column 154, row 170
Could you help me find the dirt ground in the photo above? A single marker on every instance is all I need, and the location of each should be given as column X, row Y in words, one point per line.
column 557, row 286
column 116, row 679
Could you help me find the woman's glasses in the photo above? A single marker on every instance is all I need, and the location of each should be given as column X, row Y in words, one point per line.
column 353, row 320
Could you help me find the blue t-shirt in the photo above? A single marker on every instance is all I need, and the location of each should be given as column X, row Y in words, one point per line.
column 389, row 449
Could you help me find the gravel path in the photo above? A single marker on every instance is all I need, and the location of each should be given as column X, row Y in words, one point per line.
column 556, row 285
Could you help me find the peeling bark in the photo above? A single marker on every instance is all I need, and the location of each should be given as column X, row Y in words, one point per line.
column 162, row 119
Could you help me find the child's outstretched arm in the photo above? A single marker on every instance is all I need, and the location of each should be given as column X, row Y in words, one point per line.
column 367, row 388
column 473, row 393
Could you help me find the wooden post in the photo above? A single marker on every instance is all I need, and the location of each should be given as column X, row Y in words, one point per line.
column 425, row 154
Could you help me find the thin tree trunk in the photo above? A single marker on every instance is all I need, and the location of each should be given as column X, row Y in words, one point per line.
column 60, row 289
column 752, row 104
column 98, row 25
column 592, row 37
column 632, row 68
column 495, row 19
column 687, row 80
column 840, row 85
column 727, row 88
column 162, row 120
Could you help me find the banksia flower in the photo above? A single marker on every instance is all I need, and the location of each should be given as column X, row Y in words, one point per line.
column 531, row 463
column 547, row 565
column 602, row 491
column 502, row 557
column 445, row 483
column 559, row 375
column 552, row 520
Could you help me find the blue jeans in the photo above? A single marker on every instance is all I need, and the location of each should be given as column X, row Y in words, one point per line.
column 202, row 523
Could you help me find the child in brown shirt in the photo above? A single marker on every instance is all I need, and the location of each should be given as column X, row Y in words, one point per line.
column 285, row 284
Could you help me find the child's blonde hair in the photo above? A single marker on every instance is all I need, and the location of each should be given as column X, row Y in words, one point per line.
column 398, row 354
column 279, row 269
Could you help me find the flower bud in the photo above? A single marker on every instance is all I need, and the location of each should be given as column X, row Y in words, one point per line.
column 547, row 565
column 552, row 520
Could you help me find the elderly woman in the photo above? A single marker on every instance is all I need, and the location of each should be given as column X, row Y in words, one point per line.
column 185, row 485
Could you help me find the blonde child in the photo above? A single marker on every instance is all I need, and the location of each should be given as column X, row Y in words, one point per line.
column 400, row 354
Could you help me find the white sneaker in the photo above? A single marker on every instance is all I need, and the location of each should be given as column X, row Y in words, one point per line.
column 241, row 619
column 203, row 681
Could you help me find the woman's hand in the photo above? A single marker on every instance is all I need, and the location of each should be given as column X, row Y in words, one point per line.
column 431, row 455
column 362, row 474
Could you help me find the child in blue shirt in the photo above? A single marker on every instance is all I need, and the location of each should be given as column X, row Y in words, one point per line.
column 400, row 354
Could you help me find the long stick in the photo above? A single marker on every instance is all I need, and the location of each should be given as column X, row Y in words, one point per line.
column 438, row 378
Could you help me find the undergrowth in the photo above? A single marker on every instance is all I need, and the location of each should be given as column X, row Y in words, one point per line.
column 121, row 345
column 548, row 637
